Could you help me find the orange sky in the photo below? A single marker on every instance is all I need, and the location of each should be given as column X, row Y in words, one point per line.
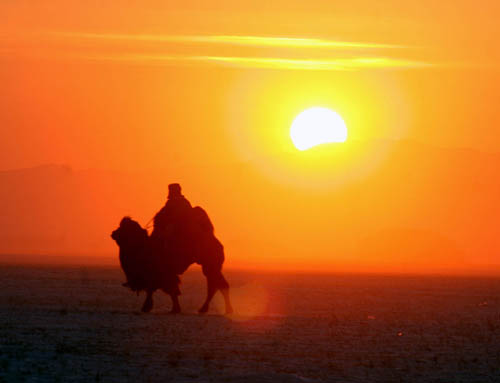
column 194, row 92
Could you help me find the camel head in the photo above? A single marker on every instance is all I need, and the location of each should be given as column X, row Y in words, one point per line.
column 129, row 233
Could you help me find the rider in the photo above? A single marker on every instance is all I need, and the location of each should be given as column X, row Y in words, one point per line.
column 173, row 219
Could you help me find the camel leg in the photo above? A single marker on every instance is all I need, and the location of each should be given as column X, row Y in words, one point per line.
column 172, row 289
column 176, row 307
column 216, row 281
column 148, row 303
column 224, row 289
column 211, row 289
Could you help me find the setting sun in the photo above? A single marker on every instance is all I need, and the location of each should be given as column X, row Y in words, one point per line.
column 316, row 126
column 312, row 185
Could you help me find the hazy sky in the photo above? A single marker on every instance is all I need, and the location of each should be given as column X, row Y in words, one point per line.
column 78, row 76
column 135, row 85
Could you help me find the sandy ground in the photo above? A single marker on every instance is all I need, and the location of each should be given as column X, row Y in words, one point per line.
column 75, row 324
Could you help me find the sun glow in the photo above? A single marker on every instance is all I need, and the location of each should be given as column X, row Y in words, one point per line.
column 316, row 126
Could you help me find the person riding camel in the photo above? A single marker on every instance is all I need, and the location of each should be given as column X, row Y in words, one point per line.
column 172, row 224
column 174, row 216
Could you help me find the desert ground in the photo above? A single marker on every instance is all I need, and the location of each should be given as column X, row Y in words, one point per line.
column 78, row 324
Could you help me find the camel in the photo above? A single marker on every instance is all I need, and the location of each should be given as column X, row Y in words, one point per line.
column 149, row 267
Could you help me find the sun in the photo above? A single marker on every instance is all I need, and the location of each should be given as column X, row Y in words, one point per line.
column 315, row 126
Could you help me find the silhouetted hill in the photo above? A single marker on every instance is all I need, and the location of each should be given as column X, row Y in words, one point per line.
column 56, row 210
column 418, row 207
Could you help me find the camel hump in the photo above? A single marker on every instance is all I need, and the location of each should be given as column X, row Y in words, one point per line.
column 201, row 218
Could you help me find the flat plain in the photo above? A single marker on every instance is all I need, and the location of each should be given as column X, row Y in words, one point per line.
column 78, row 324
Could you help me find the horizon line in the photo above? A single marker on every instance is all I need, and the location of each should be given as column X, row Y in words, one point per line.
column 108, row 260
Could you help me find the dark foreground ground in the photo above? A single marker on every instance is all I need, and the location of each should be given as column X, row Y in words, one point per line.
column 79, row 325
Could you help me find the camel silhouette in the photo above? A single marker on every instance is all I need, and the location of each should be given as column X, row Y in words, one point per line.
column 149, row 267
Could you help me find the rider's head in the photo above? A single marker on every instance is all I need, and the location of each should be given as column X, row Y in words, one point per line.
column 174, row 190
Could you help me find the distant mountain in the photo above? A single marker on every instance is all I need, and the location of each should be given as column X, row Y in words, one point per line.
column 56, row 210
column 416, row 208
